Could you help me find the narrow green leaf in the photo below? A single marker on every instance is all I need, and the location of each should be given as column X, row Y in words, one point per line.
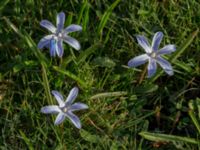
column 71, row 75
column 184, row 66
column 106, row 16
column 184, row 46
column 145, row 128
column 80, row 16
column 148, row 88
column 26, row 140
column 46, row 85
column 89, row 137
column 104, row 62
column 69, row 19
column 86, row 17
column 167, row 138
column 109, row 94
column 41, row 58
column 13, row 27
column 139, row 120
column 194, row 120
column 193, row 105
column 26, row 37
column 3, row 3
column 84, row 54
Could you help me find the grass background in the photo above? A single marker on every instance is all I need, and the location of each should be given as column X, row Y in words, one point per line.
column 126, row 110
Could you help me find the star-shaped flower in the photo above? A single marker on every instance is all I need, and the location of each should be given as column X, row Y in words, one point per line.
column 55, row 40
column 153, row 55
column 65, row 109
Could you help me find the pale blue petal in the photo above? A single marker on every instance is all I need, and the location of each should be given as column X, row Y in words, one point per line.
column 48, row 25
column 72, row 42
column 60, row 49
column 78, row 106
column 60, row 21
column 52, row 109
column 143, row 42
column 45, row 41
column 53, row 47
column 156, row 40
column 167, row 49
column 152, row 66
column 73, row 28
column 74, row 119
column 72, row 96
column 165, row 65
column 59, row 119
column 58, row 97
column 138, row 60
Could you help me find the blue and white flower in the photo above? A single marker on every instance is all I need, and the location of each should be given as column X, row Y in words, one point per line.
column 153, row 54
column 54, row 41
column 65, row 109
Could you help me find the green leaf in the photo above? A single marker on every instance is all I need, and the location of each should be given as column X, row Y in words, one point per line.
column 185, row 45
column 133, row 122
column 80, row 16
column 109, row 94
column 106, row 16
column 89, row 137
column 184, row 66
column 193, row 105
column 46, row 85
column 84, row 54
column 26, row 140
column 71, row 75
column 167, row 138
column 3, row 3
column 86, row 17
column 31, row 44
column 104, row 62
column 147, row 88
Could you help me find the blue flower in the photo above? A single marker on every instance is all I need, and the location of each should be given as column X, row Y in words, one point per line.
column 65, row 109
column 55, row 40
column 153, row 55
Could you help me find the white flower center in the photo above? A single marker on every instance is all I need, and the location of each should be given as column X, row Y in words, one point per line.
column 65, row 110
column 59, row 35
column 153, row 55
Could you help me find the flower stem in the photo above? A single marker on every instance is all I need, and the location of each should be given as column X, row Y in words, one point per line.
column 142, row 75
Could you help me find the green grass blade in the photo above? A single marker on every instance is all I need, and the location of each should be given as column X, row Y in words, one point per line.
column 46, row 85
column 27, row 141
column 84, row 54
column 184, row 46
column 89, row 137
column 192, row 104
column 178, row 53
column 194, row 119
column 138, row 120
column 69, row 19
column 109, row 94
column 106, row 16
column 3, row 3
column 71, row 75
column 86, row 17
column 31, row 44
column 12, row 26
column 167, row 138
column 80, row 16
column 41, row 58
